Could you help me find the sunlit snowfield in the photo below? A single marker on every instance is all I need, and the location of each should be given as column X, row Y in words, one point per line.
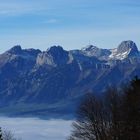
column 37, row 129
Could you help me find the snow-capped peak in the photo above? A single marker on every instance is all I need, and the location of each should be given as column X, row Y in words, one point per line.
column 119, row 55
column 93, row 51
column 127, row 45
column 124, row 50
column 89, row 48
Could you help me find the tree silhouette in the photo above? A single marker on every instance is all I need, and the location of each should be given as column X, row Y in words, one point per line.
column 115, row 117
column 8, row 135
column 90, row 123
column 131, row 111
column 1, row 134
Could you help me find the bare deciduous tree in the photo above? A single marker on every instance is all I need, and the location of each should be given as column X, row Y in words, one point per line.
column 90, row 123
column 115, row 117
column 8, row 135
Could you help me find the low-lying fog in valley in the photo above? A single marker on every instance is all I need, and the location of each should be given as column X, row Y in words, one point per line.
column 37, row 129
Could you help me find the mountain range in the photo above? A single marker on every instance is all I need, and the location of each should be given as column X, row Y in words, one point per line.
column 36, row 82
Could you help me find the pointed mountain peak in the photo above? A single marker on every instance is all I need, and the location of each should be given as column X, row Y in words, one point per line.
column 127, row 46
column 54, row 49
column 90, row 48
column 125, row 50
column 15, row 50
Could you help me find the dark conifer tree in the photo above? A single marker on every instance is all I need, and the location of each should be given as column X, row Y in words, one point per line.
column 1, row 134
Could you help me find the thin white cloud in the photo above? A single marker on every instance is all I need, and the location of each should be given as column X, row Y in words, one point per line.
column 51, row 21
column 16, row 8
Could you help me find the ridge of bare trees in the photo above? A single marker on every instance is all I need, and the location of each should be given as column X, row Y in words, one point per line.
column 115, row 117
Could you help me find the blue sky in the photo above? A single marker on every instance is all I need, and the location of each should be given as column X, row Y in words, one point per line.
column 70, row 23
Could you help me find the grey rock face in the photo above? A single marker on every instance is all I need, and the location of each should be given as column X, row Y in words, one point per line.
column 127, row 45
column 97, row 52
column 54, row 56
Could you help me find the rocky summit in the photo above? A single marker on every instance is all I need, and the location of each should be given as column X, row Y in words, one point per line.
column 53, row 81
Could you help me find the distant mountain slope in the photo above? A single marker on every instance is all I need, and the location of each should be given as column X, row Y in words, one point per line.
column 58, row 78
